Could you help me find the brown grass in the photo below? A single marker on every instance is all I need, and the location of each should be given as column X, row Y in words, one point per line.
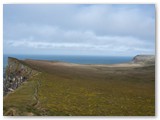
column 71, row 89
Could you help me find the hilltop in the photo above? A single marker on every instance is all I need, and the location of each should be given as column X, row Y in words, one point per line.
column 59, row 88
column 144, row 59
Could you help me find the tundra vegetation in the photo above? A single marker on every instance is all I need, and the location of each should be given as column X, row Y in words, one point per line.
column 67, row 89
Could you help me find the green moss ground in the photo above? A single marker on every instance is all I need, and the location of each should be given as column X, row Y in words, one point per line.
column 122, row 92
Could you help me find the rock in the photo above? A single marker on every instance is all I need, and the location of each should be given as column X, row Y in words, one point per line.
column 10, row 112
column 144, row 59
column 15, row 74
column 13, row 79
column 10, row 89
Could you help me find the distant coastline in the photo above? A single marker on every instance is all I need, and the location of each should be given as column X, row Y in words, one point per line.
column 80, row 59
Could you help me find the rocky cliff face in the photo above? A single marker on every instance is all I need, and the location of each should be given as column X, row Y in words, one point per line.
column 16, row 73
column 144, row 59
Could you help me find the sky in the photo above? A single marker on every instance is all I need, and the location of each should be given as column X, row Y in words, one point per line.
column 79, row 29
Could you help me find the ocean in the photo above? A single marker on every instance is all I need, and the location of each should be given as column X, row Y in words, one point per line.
column 73, row 58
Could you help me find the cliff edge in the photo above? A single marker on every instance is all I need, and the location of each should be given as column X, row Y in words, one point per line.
column 144, row 59
column 16, row 73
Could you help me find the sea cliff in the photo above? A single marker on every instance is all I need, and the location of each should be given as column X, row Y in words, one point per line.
column 16, row 73
column 144, row 59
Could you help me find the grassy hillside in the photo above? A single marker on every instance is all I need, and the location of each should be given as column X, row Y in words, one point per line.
column 71, row 89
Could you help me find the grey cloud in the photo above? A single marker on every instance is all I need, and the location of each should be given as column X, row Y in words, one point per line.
column 102, row 19
column 123, row 28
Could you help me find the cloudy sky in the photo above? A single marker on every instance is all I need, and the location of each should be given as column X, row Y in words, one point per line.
column 111, row 30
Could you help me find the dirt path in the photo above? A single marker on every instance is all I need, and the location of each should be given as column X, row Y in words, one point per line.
column 36, row 94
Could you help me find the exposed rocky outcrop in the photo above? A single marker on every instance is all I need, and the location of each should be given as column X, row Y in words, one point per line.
column 144, row 59
column 16, row 73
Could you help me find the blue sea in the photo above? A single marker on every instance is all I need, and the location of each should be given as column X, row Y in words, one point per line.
column 73, row 58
